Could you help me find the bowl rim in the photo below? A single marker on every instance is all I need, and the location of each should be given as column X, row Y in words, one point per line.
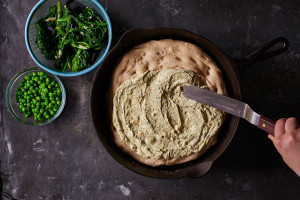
column 13, row 112
column 109, row 27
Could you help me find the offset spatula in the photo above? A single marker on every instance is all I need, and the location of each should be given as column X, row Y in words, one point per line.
column 229, row 105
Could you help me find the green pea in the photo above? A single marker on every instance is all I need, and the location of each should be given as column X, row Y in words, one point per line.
column 38, row 96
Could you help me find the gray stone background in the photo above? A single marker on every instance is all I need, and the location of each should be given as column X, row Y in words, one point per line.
column 65, row 159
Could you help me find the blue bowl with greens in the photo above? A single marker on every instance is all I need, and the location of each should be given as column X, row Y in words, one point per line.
column 68, row 38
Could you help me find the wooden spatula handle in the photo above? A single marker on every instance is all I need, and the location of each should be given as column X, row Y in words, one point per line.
column 266, row 125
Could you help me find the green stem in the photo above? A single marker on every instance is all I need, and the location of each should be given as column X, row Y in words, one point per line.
column 60, row 30
column 59, row 15
column 59, row 10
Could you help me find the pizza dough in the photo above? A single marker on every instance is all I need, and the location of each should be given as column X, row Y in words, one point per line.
column 147, row 82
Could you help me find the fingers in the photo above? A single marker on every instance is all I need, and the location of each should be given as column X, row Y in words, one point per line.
column 291, row 124
column 284, row 132
column 279, row 128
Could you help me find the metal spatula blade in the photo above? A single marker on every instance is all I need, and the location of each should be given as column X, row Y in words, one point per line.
column 229, row 105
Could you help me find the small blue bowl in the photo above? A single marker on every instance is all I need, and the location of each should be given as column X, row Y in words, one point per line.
column 40, row 10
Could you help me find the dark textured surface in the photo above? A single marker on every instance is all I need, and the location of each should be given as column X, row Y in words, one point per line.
column 65, row 159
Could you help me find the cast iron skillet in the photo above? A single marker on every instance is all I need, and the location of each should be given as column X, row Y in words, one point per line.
column 231, row 68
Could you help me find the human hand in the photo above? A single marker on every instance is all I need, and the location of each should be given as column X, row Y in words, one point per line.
column 286, row 139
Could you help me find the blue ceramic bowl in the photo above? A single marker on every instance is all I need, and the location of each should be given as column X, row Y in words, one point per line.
column 40, row 10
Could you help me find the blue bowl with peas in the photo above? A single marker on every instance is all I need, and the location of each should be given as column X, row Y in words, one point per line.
column 35, row 96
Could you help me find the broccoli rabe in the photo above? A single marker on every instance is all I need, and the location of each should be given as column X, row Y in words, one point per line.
column 70, row 37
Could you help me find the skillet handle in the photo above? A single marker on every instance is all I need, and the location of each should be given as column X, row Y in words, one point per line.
column 267, row 51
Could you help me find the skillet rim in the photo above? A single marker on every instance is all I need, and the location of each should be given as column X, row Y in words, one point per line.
column 191, row 169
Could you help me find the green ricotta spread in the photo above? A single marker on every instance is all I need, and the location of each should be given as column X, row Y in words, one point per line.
column 151, row 115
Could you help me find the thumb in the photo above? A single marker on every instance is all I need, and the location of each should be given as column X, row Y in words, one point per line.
column 271, row 137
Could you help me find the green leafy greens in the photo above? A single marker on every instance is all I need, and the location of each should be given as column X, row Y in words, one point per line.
column 70, row 37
